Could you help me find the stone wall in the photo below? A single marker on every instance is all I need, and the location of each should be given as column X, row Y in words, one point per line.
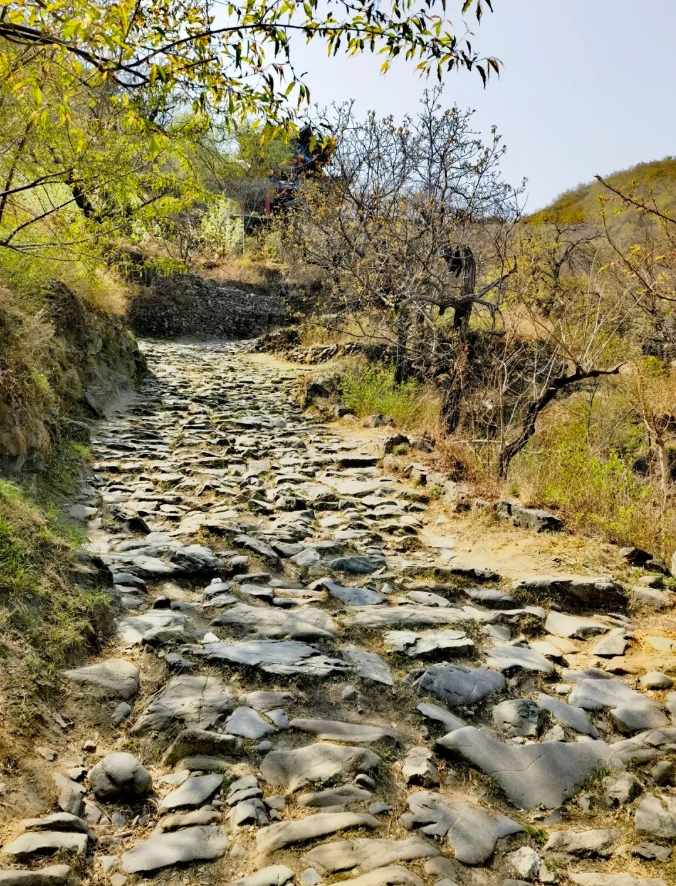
column 186, row 305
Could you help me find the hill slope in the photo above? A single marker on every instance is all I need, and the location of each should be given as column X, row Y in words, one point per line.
column 581, row 204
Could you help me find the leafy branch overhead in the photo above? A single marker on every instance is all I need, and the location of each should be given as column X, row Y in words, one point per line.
column 232, row 57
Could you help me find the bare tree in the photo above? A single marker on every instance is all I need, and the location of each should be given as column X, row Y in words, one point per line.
column 410, row 227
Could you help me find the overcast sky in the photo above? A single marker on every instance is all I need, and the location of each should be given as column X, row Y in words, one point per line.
column 587, row 86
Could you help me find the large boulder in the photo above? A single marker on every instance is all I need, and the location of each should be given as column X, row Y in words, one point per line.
column 119, row 776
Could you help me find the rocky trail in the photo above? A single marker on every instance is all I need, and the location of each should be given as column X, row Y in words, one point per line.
column 302, row 690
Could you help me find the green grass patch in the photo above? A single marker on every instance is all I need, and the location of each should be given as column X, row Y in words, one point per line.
column 39, row 602
column 368, row 390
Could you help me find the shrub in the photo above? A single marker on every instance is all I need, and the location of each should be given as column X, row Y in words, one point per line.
column 370, row 389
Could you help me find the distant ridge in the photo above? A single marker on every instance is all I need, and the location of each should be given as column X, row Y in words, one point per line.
column 581, row 205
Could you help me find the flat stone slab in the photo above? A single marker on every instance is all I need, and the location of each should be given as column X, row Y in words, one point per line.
column 594, row 593
column 115, row 678
column 646, row 746
column 39, row 843
column 187, row 700
column 374, row 617
column 418, row 645
column 369, row 665
column 317, row 762
column 285, row 833
column 354, row 596
column 356, row 564
column 304, row 623
column 193, row 792
column 504, row 658
column 283, row 657
column 656, row 816
column 440, row 715
column 367, row 854
column 532, row 775
column 352, row 733
column 202, row 743
column 266, row 700
column 133, row 629
column 630, row 710
column 471, row 830
column 569, row 715
column 426, row 598
column 57, row 821
column 583, row 844
column 595, row 878
column 272, row 875
column 335, row 798
column 396, row 875
column 177, row 847
column 457, row 685
column 562, row 625
column 246, row 722
column 54, row 875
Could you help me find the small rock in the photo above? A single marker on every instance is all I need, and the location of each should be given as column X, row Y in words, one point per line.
column 121, row 713
column 379, row 809
column 419, row 768
column 525, row 862
column 664, row 773
column 656, row 680
column 49, row 754
column 620, row 790
column 651, row 851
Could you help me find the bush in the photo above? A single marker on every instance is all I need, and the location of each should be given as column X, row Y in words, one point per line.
column 583, row 464
column 370, row 389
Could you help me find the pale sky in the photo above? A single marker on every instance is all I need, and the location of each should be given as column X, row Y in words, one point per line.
column 587, row 86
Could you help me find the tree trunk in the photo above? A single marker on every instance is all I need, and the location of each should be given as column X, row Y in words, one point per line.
column 401, row 363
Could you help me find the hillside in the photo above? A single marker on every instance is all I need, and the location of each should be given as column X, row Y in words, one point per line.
column 581, row 204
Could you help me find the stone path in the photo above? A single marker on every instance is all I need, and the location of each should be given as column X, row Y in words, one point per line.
column 301, row 689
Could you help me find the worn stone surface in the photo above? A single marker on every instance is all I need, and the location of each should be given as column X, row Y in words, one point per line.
column 286, row 833
column 369, row 665
column 187, row 700
column 193, row 792
column 459, row 685
column 656, row 817
column 470, row 830
column 178, row 847
column 317, row 762
column 272, row 875
column 531, row 775
column 281, row 657
column 36, row 844
column 517, row 716
column 588, row 843
column 352, row 733
column 367, row 854
column 305, row 624
column 631, row 710
column 115, row 678
column 571, row 716
column 53, row 875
